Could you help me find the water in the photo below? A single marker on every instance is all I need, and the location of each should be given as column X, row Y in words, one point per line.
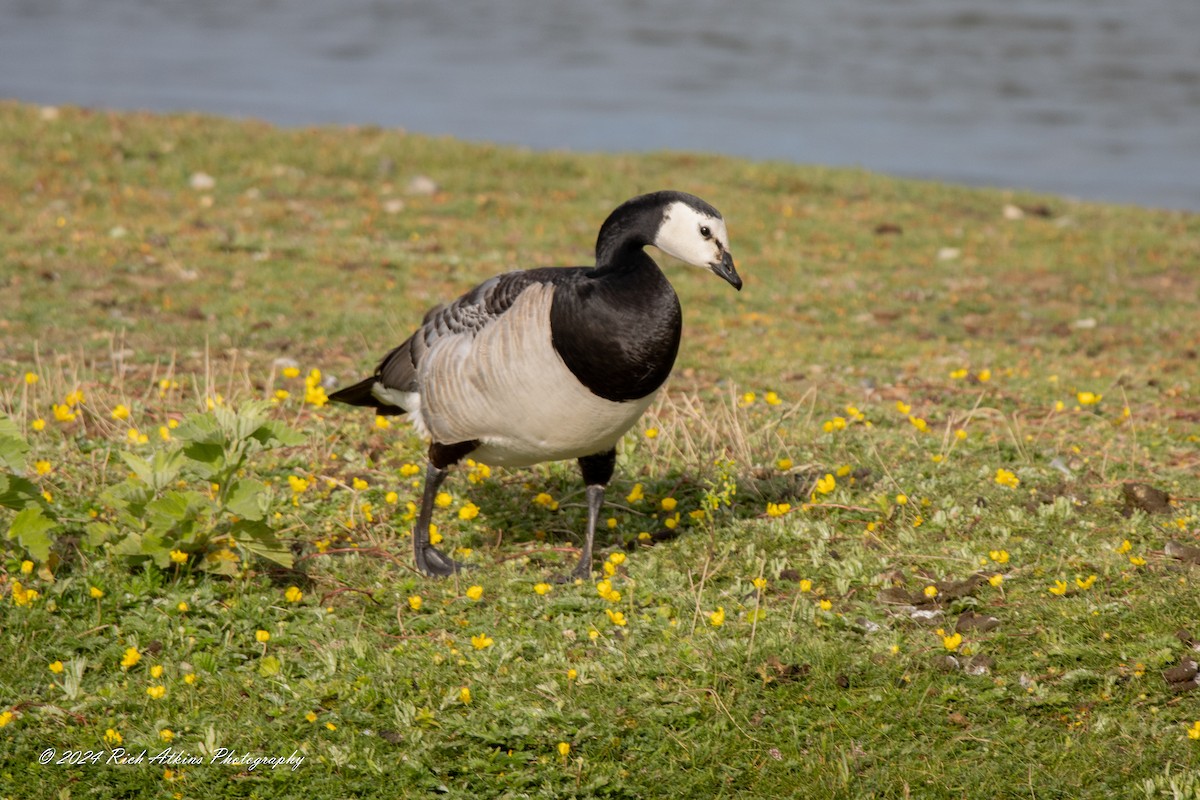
column 1098, row 99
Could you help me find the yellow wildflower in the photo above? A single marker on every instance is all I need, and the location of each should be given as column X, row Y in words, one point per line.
column 56, row 667
column 178, row 556
column 783, row 464
column 112, row 737
column 1088, row 398
column 468, row 512
column 635, row 494
column 166, row 734
column 717, row 618
column 564, row 749
column 96, row 592
column 651, row 433
column 826, row 484
column 475, row 592
column 131, row 657
column 541, row 588
column 293, row 594
column 262, row 637
column 121, row 412
column 31, row 378
column 778, row 509
column 1006, row 478
column 1124, row 547
column 383, row 423
column 464, row 695
column 1085, row 583
column 903, row 407
column 156, row 692
column 615, row 617
column 360, row 485
column 546, row 501
column 156, row 671
column 825, row 605
column 999, row 556
column 930, row 591
column 38, row 424
column 952, row 641
column 1059, row 588
column 668, row 504
column 415, row 601
column 481, row 641
column 772, row 399
column 805, row 585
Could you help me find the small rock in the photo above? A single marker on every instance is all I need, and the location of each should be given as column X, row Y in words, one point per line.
column 946, row 663
column 1013, row 212
column 48, row 113
column 393, row 206
column 1185, row 672
column 948, row 253
column 422, row 185
column 1183, row 552
column 1144, row 497
column 978, row 665
column 970, row 621
column 202, row 181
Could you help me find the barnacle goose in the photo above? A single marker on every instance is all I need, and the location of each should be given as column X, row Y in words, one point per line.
column 551, row 363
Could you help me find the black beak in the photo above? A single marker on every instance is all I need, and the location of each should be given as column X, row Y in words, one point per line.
column 725, row 269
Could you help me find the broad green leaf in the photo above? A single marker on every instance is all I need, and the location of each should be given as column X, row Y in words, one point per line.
column 258, row 538
column 274, row 433
column 128, row 543
column 201, row 429
column 13, row 446
column 174, row 509
column 207, row 458
column 140, row 466
column 17, row 492
column 248, row 498
column 31, row 528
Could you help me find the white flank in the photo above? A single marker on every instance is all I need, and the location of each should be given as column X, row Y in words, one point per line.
column 507, row 388
column 409, row 401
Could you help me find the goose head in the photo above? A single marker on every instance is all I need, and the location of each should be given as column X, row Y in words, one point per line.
column 694, row 232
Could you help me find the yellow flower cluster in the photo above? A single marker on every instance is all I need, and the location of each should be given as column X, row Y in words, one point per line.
column 314, row 392
column 1006, row 478
column 22, row 596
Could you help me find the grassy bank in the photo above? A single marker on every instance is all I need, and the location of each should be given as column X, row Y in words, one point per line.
column 913, row 517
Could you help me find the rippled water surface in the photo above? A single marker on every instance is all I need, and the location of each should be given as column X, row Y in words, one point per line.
column 1093, row 98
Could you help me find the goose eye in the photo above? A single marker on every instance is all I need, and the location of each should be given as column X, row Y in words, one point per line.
column 705, row 232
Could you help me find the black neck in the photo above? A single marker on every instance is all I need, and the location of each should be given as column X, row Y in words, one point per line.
column 618, row 331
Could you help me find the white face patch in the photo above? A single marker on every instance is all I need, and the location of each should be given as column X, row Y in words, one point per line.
column 683, row 235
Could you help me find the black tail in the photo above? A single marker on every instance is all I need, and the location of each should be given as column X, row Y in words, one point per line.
column 360, row 395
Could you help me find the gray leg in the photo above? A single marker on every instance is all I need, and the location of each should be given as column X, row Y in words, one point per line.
column 430, row 560
column 595, row 499
column 597, row 472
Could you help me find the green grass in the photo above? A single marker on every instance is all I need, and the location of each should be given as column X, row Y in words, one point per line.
column 919, row 305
